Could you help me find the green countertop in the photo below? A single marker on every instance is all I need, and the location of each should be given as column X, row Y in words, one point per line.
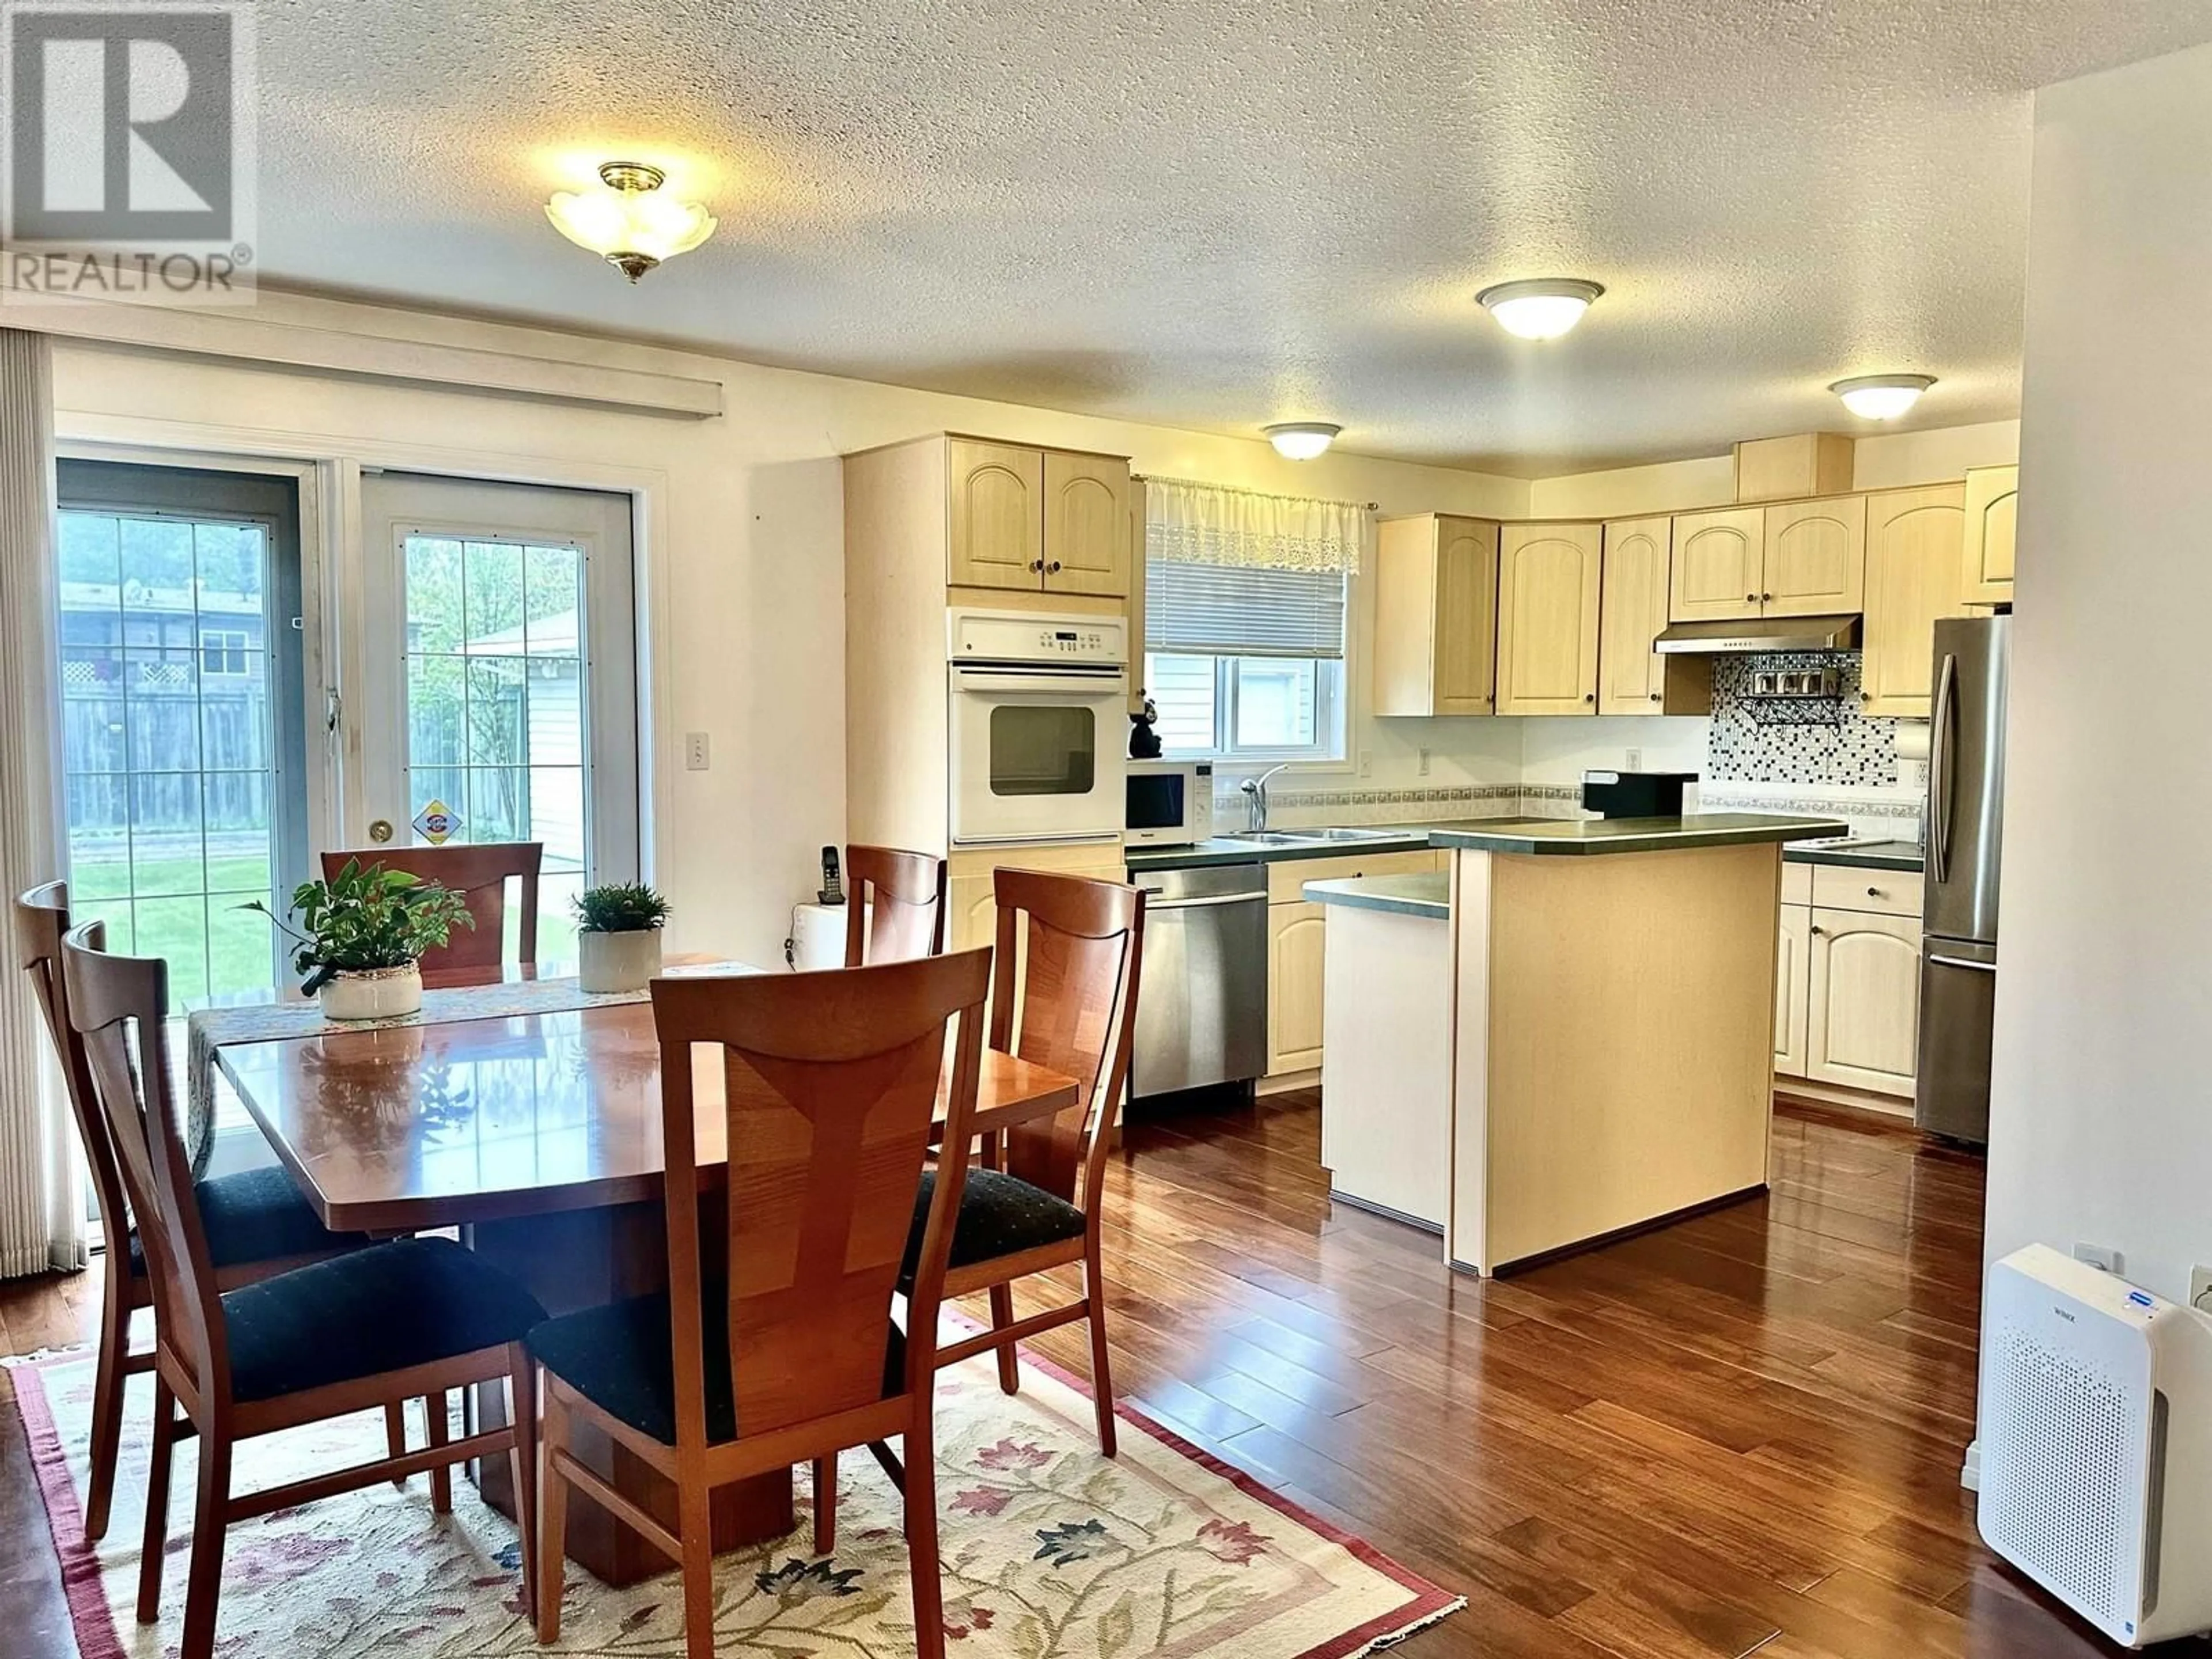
column 1406, row 896
column 1584, row 837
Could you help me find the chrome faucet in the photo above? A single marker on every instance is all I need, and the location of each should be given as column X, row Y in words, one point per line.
column 1256, row 798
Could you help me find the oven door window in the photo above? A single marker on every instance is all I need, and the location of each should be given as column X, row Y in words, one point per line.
column 1044, row 749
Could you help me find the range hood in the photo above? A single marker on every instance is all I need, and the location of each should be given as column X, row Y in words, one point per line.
column 1760, row 635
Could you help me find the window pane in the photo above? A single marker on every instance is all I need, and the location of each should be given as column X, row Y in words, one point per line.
column 1181, row 688
column 1278, row 702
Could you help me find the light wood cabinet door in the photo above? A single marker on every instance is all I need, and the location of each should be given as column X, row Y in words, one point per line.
column 972, row 912
column 1632, row 613
column 1814, row 562
column 996, row 504
column 1791, row 992
column 1295, row 963
column 1717, row 559
column 1915, row 547
column 1992, row 511
column 1086, row 525
column 1864, row 1021
column 1466, row 617
column 1548, row 578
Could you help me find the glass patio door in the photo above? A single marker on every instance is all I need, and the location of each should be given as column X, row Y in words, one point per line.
column 500, row 678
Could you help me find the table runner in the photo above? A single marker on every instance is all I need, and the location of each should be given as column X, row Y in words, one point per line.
column 209, row 1029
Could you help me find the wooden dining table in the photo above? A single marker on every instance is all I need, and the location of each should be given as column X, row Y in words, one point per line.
column 539, row 1137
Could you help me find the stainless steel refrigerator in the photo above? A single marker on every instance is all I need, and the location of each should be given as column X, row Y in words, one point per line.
column 1965, row 832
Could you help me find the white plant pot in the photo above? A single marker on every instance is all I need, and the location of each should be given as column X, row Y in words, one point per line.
column 617, row 962
column 378, row 994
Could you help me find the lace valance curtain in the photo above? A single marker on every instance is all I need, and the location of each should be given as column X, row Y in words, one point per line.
column 1188, row 523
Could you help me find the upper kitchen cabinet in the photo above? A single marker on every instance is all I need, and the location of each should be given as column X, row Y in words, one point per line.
column 1992, row 504
column 1548, row 581
column 1631, row 613
column 1814, row 560
column 1803, row 464
column 996, row 502
column 1046, row 520
column 1718, row 556
column 1915, row 551
column 1435, row 615
column 1086, row 523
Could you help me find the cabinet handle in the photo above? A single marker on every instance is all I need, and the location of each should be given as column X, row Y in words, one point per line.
column 1589, row 697
column 1876, row 892
column 1657, row 697
column 1751, row 599
column 1866, row 696
column 1766, row 599
column 1036, row 567
column 1817, row 931
column 1053, row 569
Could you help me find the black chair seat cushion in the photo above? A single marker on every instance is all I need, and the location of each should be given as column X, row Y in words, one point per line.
column 999, row 1215
column 409, row 1303
column 621, row 1358
column 257, row 1215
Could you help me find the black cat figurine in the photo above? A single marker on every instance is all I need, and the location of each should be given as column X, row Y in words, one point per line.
column 1144, row 738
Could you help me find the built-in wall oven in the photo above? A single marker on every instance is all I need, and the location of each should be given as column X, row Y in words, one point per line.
column 1039, row 723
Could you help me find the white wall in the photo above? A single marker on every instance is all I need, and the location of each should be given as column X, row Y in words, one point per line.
column 749, row 623
column 2101, row 1128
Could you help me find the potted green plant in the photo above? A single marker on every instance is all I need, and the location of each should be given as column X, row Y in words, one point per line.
column 618, row 937
column 361, row 934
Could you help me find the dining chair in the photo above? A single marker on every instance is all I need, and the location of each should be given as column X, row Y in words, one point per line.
column 784, row 1350
column 256, row 1223
column 479, row 875
column 1034, row 1205
column 373, row 1326
column 908, row 893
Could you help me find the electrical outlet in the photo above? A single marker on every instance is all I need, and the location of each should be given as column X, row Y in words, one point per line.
column 2199, row 1289
column 1424, row 762
column 1636, row 760
column 695, row 752
column 2103, row 1257
column 1366, row 764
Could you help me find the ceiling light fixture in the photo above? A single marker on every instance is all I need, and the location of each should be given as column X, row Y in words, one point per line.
column 1542, row 308
column 627, row 222
column 1881, row 397
column 1301, row 441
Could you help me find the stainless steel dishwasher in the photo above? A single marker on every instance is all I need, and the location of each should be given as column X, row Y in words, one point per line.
column 1202, row 1001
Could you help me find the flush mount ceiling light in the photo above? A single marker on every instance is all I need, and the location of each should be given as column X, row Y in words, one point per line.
column 1301, row 441
column 1881, row 397
column 1542, row 308
column 627, row 222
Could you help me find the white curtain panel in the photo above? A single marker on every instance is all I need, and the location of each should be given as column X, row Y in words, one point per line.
column 42, row 1190
column 1189, row 522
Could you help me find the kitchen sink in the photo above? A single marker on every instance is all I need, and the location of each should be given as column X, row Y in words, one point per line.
column 1313, row 837
column 1361, row 835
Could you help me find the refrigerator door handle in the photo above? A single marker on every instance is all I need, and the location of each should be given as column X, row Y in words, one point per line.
column 1960, row 962
column 1942, row 774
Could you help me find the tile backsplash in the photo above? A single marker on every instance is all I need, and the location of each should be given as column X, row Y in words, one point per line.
column 1820, row 741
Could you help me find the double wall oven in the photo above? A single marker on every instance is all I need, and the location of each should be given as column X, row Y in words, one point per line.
column 1039, row 726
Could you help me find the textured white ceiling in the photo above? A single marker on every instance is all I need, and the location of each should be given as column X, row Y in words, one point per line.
column 1218, row 215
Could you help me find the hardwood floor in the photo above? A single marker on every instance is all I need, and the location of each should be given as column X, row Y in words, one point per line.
column 1741, row 1433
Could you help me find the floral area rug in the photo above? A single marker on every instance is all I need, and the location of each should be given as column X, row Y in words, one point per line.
column 1050, row 1551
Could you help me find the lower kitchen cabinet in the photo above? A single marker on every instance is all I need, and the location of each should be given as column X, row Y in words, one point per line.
column 1792, row 1007
column 1295, row 959
column 1862, row 1024
column 970, row 896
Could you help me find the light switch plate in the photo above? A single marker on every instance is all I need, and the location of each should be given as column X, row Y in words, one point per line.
column 2102, row 1256
column 695, row 752
column 1424, row 762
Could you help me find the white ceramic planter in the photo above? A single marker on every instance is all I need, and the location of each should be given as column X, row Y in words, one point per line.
column 378, row 994
column 617, row 962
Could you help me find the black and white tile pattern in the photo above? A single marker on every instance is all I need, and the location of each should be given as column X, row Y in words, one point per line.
column 1827, row 742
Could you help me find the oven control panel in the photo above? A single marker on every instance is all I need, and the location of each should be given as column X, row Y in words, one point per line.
column 1030, row 636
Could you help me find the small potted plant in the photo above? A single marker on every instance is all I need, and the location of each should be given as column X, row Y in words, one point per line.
column 361, row 937
column 618, row 937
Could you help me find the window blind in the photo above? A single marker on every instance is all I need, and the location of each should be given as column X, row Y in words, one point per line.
column 1235, row 610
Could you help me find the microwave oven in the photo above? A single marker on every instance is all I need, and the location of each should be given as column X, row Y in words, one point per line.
column 1170, row 802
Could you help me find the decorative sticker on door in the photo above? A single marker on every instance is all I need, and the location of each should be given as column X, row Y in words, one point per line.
column 437, row 823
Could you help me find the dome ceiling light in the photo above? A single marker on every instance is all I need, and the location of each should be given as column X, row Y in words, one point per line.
column 1301, row 441
column 627, row 222
column 1541, row 308
column 1881, row 397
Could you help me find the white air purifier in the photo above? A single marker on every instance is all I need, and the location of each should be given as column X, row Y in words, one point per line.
column 2096, row 1444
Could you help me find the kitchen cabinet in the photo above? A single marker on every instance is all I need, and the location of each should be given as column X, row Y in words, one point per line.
column 1435, row 615
column 1863, row 1001
column 1632, row 613
column 1036, row 521
column 1915, row 553
column 1717, row 565
column 1792, row 1004
column 970, row 898
column 1992, row 510
column 1813, row 558
column 1548, row 582
column 1295, row 966
column 1802, row 464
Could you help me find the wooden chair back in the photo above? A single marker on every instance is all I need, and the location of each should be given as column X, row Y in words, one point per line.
column 116, row 1005
column 831, row 1084
column 909, row 892
column 478, row 874
column 1078, row 1014
column 42, row 916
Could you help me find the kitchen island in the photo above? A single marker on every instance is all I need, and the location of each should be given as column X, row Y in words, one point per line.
column 1601, row 998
